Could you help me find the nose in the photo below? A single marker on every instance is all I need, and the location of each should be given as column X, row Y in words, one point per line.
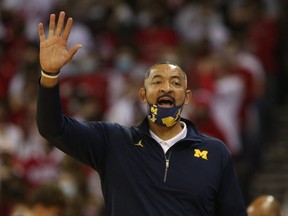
column 166, row 87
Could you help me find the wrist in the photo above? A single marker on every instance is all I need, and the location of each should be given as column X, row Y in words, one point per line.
column 50, row 75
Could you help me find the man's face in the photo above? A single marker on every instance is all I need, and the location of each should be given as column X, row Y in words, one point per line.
column 165, row 86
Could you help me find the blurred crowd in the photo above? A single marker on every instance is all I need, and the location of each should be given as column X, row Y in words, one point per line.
column 232, row 51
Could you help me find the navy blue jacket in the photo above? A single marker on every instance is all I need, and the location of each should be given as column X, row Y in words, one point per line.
column 199, row 180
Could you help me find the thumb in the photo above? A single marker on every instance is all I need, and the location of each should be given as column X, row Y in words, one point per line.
column 73, row 51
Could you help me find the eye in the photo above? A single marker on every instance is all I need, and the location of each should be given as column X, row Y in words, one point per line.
column 176, row 83
column 156, row 82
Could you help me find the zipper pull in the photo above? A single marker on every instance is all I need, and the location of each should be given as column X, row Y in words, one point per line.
column 166, row 170
column 167, row 163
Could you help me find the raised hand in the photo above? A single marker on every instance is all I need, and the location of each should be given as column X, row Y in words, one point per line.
column 53, row 48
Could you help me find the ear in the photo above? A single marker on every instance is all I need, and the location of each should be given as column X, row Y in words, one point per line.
column 188, row 96
column 142, row 95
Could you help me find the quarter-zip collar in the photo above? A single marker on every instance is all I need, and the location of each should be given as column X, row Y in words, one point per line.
column 166, row 144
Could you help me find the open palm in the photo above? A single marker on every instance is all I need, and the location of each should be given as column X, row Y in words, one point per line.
column 53, row 48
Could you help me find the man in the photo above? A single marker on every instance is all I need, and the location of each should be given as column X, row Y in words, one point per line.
column 264, row 205
column 164, row 166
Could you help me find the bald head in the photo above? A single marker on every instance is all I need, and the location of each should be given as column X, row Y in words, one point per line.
column 264, row 206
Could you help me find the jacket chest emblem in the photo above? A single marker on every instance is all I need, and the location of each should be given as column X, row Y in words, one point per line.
column 139, row 144
column 201, row 154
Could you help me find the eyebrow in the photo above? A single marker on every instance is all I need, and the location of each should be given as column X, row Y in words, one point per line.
column 157, row 76
column 176, row 77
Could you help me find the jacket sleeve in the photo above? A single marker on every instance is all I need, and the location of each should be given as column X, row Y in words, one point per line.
column 230, row 200
column 49, row 112
column 85, row 141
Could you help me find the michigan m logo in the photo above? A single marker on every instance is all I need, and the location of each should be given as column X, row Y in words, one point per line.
column 202, row 154
column 154, row 110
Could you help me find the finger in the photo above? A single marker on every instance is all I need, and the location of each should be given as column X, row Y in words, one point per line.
column 51, row 25
column 73, row 50
column 41, row 32
column 60, row 23
column 67, row 29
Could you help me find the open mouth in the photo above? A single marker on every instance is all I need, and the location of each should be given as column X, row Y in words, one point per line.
column 165, row 102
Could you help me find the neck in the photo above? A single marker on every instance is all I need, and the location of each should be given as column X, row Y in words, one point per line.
column 165, row 133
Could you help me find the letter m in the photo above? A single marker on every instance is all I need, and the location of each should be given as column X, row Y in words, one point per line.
column 202, row 154
column 154, row 110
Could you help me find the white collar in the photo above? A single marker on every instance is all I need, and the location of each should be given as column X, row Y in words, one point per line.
column 166, row 144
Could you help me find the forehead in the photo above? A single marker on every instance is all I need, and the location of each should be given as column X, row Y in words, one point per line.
column 165, row 70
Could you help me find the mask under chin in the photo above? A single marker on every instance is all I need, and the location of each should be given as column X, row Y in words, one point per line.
column 164, row 116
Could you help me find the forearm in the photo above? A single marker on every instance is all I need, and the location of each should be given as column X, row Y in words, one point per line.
column 49, row 111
